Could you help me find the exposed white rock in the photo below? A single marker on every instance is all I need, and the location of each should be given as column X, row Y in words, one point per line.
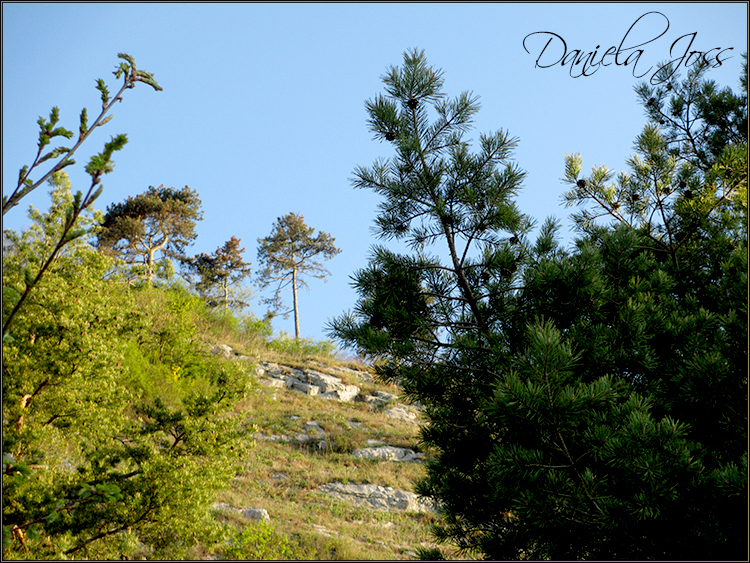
column 257, row 514
column 272, row 437
column 313, row 429
column 323, row 531
column 400, row 412
column 377, row 497
column 224, row 351
column 297, row 385
column 380, row 398
column 388, row 453
column 308, row 381
column 273, row 382
column 352, row 373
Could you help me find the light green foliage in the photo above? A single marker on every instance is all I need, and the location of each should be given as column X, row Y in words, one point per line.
column 101, row 163
column 119, row 430
column 302, row 347
column 258, row 541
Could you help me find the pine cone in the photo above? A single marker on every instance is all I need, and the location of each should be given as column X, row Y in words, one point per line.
column 412, row 103
column 390, row 136
column 581, row 183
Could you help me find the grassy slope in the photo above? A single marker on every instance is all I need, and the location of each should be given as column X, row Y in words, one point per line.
column 283, row 477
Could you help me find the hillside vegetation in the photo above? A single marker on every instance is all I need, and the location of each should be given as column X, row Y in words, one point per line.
column 122, row 431
column 580, row 402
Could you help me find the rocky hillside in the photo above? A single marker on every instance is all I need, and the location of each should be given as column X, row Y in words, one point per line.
column 332, row 469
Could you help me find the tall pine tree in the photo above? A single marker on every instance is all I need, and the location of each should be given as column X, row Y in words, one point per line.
column 587, row 402
column 290, row 252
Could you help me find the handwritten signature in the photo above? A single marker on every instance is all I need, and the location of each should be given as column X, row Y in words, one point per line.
column 586, row 64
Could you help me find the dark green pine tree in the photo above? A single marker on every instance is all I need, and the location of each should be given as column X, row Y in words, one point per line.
column 159, row 220
column 583, row 403
column 216, row 275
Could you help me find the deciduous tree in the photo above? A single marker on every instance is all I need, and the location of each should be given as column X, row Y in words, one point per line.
column 291, row 251
column 99, row 165
column 116, row 436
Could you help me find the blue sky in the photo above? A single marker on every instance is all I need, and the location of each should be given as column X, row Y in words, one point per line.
column 263, row 111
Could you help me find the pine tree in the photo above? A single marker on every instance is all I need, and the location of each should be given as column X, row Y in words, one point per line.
column 159, row 220
column 218, row 273
column 583, row 403
column 289, row 252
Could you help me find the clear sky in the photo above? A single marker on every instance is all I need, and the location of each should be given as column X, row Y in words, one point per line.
column 263, row 111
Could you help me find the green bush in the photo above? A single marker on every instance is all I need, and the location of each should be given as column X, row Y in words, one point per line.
column 302, row 347
column 258, row 541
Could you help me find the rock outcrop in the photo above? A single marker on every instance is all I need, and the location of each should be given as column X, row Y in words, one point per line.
column 257, row 514
column 403, row 413
column 328, row 383
column 378, row 497
column 307, row 381
column 388, row 453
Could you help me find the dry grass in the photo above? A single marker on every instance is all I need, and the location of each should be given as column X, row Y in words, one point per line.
column 283, row 477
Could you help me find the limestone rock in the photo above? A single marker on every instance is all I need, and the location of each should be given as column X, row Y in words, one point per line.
column 301, row 386
column 388, row 453
column 402, row 413
column 323, row 531
column 352, row 373
column 257, row 514
column 377, row 497
column 313, row 429
column 307, row 381
column 224, row 351
column 380, row 398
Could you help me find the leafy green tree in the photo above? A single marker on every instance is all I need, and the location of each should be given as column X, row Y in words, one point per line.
column 583, row 403
column 118, row 433
column 99, row 165
column 289, row 252
column 159, row 220
column 216, row 275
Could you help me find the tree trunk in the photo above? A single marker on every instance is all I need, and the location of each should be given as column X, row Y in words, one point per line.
column 225, row 286
column 150, row 265
column 296, row 311
column 150, row 257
